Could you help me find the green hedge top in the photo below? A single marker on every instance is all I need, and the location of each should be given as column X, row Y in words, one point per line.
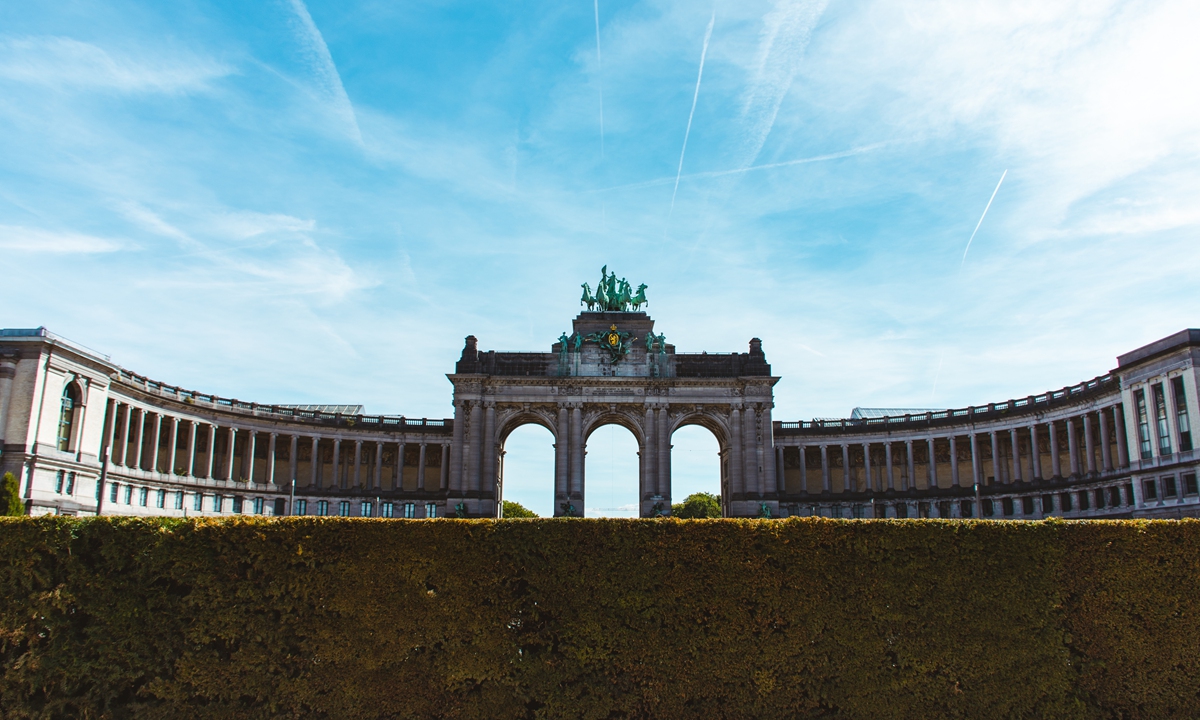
column 341, row 618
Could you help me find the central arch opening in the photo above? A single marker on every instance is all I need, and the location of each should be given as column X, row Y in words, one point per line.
column 695, row 463
column 611, row 472
column 527, row 468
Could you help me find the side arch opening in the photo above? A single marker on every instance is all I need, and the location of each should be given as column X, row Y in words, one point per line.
column 527, row 468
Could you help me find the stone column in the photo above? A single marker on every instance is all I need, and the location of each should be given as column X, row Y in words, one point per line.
column 770, row 461
column 911, row 482
column 1035, row 453
column 933, row 481
column 212, row 451
column 750, row 451
column 293, row 459
column 887, row 461
column 315, row 465
column 456, row 447
column 125, row 435
column 336, row 480
column 997, row 472
column 489, row 447
column 1073, row 447
column 870, row 481
column 975, row 469
column 401, row 451
column 271, row 444
column 649, row 460
column 174, row 441
column 954, row 461
column 475, row 467
column 1089, row 446
column 736, row 466
column 421, row 466
column 193, row 427
column 1016, row 455
column 847, row 482
column 780, row 481
column 139, row 432
column 1105, row 442
column 562, row 455
column 377, row 480
column 356, row 480
column 1122, row 438
column 154, row 447
column 825, row 469
column 445, row 468
column 229, row 477
column 251, row 451
column 803, row 469
column 576, row 488
column 1055, row 460
column 8, row 371
column 664, row 453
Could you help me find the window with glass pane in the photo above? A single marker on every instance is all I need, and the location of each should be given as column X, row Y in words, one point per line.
column 161, row 500
column 179, row 500
column 344, row 508
column 143, row 496
column 218, row 502
column 128, row 494
column 1149, row 490
column 237, row 504
column 112, row 492
column 198, row 502
column 1189, row 484
column 1064, row 501
column 431, row 510
column 301, row 507
column 1181, row 414
column 366, row 509
column 1139, row 399
column 99, row 489
column 1160, row 420
column 386, row 510
column 66, row 417
column 59, row 479
column 410, row 510
column 70, row 483
column 1169, row 486
column 258, row 506
column 323, row 507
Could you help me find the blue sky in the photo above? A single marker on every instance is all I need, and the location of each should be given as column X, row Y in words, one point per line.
column 316, row 202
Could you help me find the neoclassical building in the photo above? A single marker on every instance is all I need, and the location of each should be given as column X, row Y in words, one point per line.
column 86, row 436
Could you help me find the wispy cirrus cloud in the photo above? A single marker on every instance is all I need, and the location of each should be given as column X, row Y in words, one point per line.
column 325, row 72
column 37, row 240
column 66, row 62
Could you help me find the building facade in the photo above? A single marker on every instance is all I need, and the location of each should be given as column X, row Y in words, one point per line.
column 85, row 436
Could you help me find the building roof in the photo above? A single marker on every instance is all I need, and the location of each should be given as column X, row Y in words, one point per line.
column 340, row 409
column 861, row 413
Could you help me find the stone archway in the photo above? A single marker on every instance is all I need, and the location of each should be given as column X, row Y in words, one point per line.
column 638, row 381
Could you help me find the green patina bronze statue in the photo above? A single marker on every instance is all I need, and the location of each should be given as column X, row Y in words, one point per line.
column 613, row 294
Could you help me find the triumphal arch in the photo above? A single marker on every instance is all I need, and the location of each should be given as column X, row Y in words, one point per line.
column 613, row 368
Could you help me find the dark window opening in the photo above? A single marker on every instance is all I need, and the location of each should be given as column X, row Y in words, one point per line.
column 1065, row 500
column 1149, row 490
column 1189, row 484
column 1047, row 504
column 1084, row 502
column 1007, row 504
column 1027, row 505
column 1169, row 486
column 1181, row 414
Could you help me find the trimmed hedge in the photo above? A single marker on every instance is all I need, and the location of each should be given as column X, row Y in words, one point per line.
column 339, row 618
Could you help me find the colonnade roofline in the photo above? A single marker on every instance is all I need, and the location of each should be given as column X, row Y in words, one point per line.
column 1052, row 399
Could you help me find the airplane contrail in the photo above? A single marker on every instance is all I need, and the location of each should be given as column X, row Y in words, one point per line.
column 981, row 217
column 695, row 96
column 599, row 74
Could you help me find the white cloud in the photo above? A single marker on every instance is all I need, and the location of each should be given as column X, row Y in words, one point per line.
column 326, row 72
column 247, row 224
column 36, row 240
column 65, row 62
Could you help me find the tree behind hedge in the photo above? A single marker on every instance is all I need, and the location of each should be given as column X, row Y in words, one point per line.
column 698, row 505
column 10, row 496
column 517, row 510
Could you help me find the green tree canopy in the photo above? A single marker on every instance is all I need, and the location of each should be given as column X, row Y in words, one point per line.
column 10, row 496
column 698, row 505
column 517, row 510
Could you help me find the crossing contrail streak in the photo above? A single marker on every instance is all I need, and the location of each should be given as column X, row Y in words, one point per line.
column 599, row 74
column 695, row 96
column 981, row 217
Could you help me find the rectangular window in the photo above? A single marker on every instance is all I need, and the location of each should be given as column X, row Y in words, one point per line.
column 112, row 492
column 1189, row 484
column 901, row 510
column 218, row 503
column 1047, row 504
column 70, row 483
column 344, row 508
column 1160, row 420
column 431, row 510
column 1149, row 490
column 1114, row 497
column 198, row 502
column 59, row 478
column 1129, row 493
column 1143, row 421
column 1084, row 501
column 387, row 510
column 301, row 507
column 410, row 510
column 143, row 496
column 322, row 507
column 128, row 494
column 1099, row 498
column 161, row 499
column 1027, row 505
column 1007, row 504
column 1065, row 500
column 259, row 506
column 280, row 507
column 1181, row 414
column 966, row 508
column 237, row 504
column 367, row 509
column 1169, row 486
column 99, row 489
column 989, row 508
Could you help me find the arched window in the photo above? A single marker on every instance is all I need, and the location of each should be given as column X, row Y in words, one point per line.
column 66, row 418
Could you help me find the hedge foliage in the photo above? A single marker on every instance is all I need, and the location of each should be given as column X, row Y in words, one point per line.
column 807, row 618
